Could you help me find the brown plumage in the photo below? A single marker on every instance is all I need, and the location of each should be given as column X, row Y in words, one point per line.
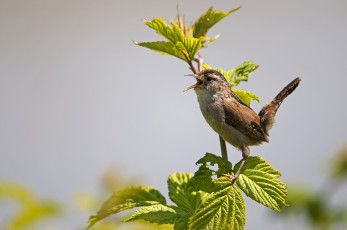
column 233, row 120
column 268, row 112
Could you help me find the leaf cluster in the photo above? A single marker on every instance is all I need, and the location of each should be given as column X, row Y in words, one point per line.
column 183, row 41
column 205, row 200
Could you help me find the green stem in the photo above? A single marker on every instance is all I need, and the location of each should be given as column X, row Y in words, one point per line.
column 223, row 148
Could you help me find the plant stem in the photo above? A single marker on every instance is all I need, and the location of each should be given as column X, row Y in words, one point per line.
column 189, row 62
column 199, row 60
column 223, row 148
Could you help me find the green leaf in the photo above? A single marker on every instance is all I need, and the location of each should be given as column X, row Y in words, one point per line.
column 173, row 34
column 30, row 210
column 245, row 96
column 202, row 179
column 177, row 41
column 34, row 214
column 165, row 48
column 187, row 201
column 235, row 76
column 159, row 213
column 222, row 210
column 224, row 166
column 188, row 30
column 190, row 46
column 206, row 66
column 243, row 71
column 181, row 195
column 258, row 163
column 222, row 182
column 228, row 75
column 131, row 197
column 258, row 180
column 207, row 20
column 182, row 223
column 209, row 39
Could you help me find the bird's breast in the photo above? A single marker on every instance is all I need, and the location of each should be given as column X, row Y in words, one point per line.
column 212, row 109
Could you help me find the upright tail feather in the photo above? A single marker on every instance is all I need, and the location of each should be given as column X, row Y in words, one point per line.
column 268, row 112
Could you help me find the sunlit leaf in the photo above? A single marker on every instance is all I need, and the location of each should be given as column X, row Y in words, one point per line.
column 177, row 42
column 190, row 46
column 235, row 76
column 180, row 194
column 224, row 166
column 202, row 179
column 222, row 210
column 166, row 48
column 30, row 209
column 258, row 163
column 188, row 30
column 207, row 20
column 243, row 71
column 245, row 96
column 131, row 197
column 209, row 39
column 173, row 34
column 159, row 213
column 258, row 180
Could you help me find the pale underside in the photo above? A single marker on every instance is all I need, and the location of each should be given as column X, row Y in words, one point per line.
column 236, row 123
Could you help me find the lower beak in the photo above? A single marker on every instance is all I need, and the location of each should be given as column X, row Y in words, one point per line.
column 198, row 83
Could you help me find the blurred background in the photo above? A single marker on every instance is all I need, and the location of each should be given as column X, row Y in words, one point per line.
column 79, row 102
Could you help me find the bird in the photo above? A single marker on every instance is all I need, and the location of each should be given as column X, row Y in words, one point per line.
column 232, row 119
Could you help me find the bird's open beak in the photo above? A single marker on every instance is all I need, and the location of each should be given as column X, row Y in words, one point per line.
column 198, row 83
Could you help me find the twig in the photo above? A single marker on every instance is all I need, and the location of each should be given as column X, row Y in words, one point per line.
column 199, row 60
column 223, row 148
column 189, row 62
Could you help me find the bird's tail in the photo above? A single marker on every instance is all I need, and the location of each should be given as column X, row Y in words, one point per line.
column 268, row 112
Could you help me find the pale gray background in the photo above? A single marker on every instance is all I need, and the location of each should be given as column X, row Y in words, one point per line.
column 76, row 95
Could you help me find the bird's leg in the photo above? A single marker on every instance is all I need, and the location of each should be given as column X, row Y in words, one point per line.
column 223, row 148
column 239, row 170
column 245, row 155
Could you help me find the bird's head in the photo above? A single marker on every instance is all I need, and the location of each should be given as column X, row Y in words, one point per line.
column 209, row 80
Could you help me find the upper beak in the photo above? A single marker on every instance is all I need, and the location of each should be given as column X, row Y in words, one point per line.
column 199, row 81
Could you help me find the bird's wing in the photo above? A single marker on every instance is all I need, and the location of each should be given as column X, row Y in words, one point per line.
column 243, row 119
column 238, row 99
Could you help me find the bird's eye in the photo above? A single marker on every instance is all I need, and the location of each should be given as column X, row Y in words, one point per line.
column 209, row 79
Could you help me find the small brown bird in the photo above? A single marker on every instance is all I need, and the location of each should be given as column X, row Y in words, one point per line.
column 233, row 120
